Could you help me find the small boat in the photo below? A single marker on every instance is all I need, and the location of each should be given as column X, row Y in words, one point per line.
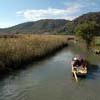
column 79, row 67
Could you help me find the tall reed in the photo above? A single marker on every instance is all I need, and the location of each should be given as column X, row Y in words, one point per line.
column 25, row 48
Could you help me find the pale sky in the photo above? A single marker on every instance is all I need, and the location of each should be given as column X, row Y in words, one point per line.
column 13, row 12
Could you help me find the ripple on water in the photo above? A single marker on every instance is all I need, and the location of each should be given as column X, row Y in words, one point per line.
column 51, row 80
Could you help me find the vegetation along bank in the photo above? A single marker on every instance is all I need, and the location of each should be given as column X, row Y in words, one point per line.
column 23, row 49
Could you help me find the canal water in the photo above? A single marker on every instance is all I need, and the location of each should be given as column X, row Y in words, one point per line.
column 51, row 79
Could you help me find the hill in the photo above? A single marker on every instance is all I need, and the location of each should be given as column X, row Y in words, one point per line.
column 38, row 27
column 91, row 16
column 52, row 26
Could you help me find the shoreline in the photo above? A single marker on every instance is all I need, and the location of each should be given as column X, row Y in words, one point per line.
column 17, row 64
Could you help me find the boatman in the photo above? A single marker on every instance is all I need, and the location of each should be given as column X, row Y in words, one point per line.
column 76, row 62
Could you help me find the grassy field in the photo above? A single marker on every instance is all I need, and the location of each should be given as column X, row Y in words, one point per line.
column 22, row 49
column 97, row 43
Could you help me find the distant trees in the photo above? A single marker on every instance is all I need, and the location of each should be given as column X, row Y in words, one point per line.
column 87, row 31
column 17, row 32
column 70, row 27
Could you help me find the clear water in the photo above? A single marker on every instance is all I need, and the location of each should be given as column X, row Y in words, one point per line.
column 51, row 79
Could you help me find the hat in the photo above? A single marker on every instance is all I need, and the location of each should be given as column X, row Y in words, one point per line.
column 75, row 58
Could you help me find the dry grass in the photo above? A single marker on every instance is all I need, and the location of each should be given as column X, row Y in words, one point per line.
column 17, row 51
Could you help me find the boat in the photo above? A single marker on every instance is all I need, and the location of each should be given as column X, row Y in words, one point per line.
column 79, row 67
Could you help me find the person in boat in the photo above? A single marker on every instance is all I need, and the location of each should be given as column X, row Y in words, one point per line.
column 83, row 63
column 79, row 62
column 76, row 62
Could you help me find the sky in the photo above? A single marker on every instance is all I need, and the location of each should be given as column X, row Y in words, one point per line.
column 13, row 12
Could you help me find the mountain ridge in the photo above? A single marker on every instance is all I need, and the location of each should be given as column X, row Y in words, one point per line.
column 51, row 26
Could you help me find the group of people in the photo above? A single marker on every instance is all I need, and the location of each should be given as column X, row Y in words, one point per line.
column 77, row 62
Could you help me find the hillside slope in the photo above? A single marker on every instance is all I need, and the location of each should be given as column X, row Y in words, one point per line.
column 38, row 27
column 52, row 26
column 91, row 16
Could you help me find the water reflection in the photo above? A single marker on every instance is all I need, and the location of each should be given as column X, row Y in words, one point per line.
column 93, row 71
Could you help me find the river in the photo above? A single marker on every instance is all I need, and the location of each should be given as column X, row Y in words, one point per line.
column 51, row 79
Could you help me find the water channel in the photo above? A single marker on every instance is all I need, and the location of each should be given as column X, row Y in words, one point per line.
column 51, row 79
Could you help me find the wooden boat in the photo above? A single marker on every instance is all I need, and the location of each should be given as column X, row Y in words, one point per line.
column 79, row 70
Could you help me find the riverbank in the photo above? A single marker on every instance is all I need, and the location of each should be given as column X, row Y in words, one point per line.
column 95, row 45
column 18, row 51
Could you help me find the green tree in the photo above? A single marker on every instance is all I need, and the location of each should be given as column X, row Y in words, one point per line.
column 87, row 31
column 70, row 28
column 17, row 32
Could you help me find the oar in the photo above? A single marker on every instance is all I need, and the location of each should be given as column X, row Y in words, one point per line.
column 75, row 76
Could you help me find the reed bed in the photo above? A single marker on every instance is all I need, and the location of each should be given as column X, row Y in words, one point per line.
column 14, row 52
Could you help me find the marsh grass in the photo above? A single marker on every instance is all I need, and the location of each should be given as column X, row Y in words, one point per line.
column 15, row 52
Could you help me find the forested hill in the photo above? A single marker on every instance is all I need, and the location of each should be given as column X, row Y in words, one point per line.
column 91, row 16
column 46, row 26
column 52, row 26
